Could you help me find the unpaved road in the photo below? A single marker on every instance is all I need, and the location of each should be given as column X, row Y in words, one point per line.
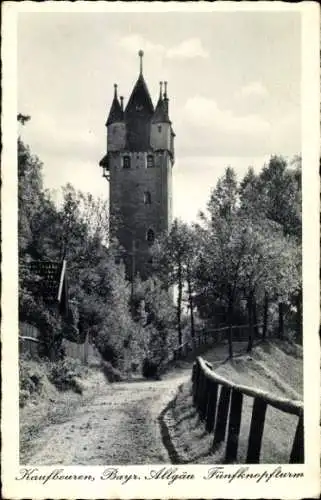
column 119, row 426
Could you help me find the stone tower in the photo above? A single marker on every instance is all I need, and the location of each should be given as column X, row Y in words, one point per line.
column 138, row 165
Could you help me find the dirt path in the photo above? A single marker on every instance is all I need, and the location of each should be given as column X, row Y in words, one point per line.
column 119, row 426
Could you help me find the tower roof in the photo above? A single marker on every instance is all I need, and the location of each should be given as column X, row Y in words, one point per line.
column 161, row 112
column 140, row 98
column 138, row 114
column 116, row 114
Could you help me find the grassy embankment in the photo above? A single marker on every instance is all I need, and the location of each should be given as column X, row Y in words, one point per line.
column 273, row 367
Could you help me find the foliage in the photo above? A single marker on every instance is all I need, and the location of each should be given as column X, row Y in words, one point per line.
column 31, row 379
column 245, row 250
column 155, row 319
column 111, row 373
column 66, row 374
column 77, row 229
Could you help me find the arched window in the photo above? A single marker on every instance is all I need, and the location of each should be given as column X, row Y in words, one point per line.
column 126, row 162
column 150, row 236
column 150, row 161
column 147, row 198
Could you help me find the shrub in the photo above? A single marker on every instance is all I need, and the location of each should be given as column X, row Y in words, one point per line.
column 111, row 373
column 31, row 379
column 65, row 374
column 150, row 369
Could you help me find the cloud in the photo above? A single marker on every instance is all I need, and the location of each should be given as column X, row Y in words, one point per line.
column 206, row 129
column 188, row 49
column 135, row 42
column 203, row 112
column 253, row 89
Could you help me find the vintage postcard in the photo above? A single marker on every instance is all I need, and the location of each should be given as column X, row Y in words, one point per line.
column 160, row 256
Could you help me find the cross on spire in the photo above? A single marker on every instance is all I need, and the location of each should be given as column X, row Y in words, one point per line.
column 141, row 55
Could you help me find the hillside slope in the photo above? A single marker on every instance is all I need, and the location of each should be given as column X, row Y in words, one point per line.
column 272, row 367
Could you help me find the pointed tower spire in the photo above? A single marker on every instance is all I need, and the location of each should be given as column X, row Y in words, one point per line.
column 116, row 113
column 165, row 90
column 141, row 55
column 161, row 115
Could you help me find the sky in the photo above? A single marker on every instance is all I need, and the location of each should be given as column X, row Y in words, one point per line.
column 233, row 84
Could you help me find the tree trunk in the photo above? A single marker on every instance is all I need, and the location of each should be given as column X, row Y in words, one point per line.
column 191, row 306
column 281, row 320
column 250, row 312
column 179, row 303
column 265, row 315
column 299, row 316
column 86, row 349
column 230, row 322
column 255, row 325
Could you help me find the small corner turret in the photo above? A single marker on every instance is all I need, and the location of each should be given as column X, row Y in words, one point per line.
column 162, row 135
column 116, row 128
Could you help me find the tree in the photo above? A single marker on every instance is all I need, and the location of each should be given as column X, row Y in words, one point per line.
column 275, row 194
column 175, row 255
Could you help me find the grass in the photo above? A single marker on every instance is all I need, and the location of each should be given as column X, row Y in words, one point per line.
column 269, row 367
column 43, row 403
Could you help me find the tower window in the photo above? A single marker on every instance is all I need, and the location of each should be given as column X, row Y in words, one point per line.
column 126, row 162
column 150, row 161
column 147, row 198
column 150, row 236
column 159, row 128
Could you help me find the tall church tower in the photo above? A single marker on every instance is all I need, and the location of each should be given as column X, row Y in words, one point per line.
column 138, row 165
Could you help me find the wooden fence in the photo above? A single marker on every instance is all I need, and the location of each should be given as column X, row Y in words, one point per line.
column 29, row 343
column 208, row 338
column 221, row 408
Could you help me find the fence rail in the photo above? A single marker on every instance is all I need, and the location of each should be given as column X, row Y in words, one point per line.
column 208, row 338
column 224, row 408
column 85, row 352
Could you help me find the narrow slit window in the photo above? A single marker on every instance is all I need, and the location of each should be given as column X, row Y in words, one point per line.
column 150, row 236
column 159, row 128
column 126, row 162
column 147, row 198
column 150, row 161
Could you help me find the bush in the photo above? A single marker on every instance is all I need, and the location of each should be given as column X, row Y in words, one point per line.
column 65, row 374
column 150, row 369
column 111, row 373
column 31, row 379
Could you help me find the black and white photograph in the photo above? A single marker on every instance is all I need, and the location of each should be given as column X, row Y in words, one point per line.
column 162, row 287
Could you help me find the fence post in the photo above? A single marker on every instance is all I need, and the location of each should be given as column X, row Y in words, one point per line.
column 222, row 414
column 194, row 369
column 199, row 389
column 204, row 397
column 256, row 431
column 234, row 426
column 196, row 383
column 297, row 453
column 211, row 405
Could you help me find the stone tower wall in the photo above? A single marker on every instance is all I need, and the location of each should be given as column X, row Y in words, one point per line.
column 116, row 136
column 160, row 137
column 127, row 204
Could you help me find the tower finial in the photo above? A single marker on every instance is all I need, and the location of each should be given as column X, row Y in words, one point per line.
column 160, row 89
column 115, row 90
column 122, row 102
column 141, row 54
column 165, row 90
